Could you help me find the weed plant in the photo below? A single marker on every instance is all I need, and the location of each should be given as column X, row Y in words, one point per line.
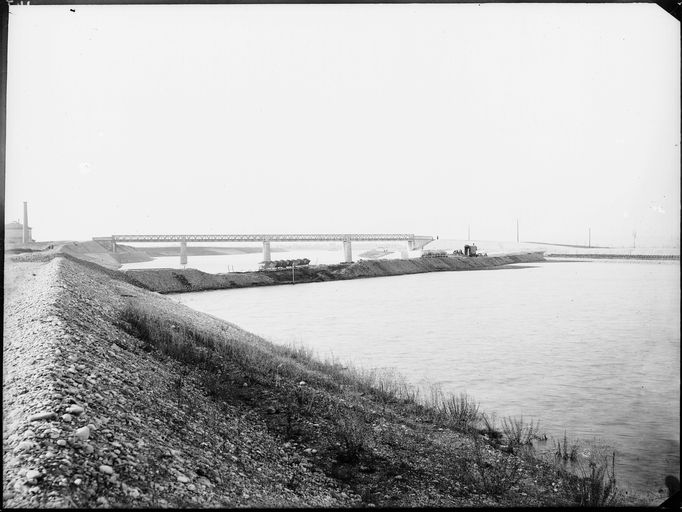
column 497, row 478
column 518, row 433
column 353, row 436
column 489, row 423
column 460, row 412
column 596, row 486
column 565, row 453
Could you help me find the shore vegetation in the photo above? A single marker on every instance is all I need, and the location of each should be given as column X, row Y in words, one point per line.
column 352, row 417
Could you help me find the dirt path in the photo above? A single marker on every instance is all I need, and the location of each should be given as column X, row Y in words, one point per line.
column 16, row 274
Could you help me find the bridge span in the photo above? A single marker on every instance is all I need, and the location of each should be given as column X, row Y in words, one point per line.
column 413, row 241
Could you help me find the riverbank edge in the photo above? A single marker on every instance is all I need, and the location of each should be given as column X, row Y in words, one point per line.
column 664, row 257
column 166, row 280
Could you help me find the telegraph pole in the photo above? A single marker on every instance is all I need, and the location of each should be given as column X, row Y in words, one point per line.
column 634, row 238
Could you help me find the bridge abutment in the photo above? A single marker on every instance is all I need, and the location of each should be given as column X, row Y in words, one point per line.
column 266, row 251
column 418, row 242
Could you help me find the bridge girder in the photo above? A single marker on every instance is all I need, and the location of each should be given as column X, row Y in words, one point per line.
column 321, row 237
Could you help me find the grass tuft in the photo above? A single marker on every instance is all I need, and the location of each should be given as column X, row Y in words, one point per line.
column 564, row 452
column 518, row 433
column 596, row 486
column 495, row 479
column 460, row 412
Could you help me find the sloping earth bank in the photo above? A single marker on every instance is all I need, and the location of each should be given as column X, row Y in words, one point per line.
column 139, row 440
column 89, row 251
column 117, row 396
column 166, row 280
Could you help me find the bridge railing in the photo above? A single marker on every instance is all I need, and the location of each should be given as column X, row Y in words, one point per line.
column 318, row 237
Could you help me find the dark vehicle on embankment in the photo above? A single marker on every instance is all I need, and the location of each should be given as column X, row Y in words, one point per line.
column 282, row 264
column 469, row 251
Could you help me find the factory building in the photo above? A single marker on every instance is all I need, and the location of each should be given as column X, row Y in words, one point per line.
column 16, row 232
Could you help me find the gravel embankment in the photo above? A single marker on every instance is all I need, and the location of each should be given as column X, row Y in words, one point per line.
column 93, row 420
column 166, row 280
column 97, row 417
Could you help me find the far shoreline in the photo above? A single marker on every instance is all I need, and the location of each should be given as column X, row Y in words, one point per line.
column 617, row 256
column 168, row 280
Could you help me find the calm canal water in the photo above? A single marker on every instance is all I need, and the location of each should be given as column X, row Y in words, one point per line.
column 590, row 347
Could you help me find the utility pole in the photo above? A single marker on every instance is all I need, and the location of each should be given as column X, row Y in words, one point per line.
column 634, row 238
column 589, row 237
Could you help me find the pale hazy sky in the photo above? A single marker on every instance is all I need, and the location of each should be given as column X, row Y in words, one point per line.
column 346, row 118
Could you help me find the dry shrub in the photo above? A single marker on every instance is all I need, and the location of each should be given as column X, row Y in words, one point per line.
column 353, row 436
column 498, row 477
column 595, row 485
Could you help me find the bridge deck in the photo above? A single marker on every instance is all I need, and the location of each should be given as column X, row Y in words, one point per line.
column 325, row 237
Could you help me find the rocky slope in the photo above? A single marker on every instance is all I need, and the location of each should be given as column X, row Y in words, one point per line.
column 115, row 396
column 92, row 419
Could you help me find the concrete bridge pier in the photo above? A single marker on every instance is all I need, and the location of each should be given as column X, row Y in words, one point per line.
column 266, row 250
column 347, row 252
column 183, row 252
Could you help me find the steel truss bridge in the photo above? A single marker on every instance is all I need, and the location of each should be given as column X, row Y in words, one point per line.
column 413, row 241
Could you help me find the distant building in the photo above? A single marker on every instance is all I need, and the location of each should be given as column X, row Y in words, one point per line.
column 14, row 232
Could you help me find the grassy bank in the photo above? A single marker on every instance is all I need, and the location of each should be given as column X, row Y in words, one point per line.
column 373, row 430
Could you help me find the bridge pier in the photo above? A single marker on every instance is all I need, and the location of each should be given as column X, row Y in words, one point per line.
column 266, row 250
column 183, row 252
column 347, row 252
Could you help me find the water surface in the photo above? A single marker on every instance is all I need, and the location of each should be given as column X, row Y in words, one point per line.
column 592, row 347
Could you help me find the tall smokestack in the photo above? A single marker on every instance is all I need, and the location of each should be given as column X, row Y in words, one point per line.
column 25, row 237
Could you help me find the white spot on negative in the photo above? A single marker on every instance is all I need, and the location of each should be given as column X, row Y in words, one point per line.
column 85, row 168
